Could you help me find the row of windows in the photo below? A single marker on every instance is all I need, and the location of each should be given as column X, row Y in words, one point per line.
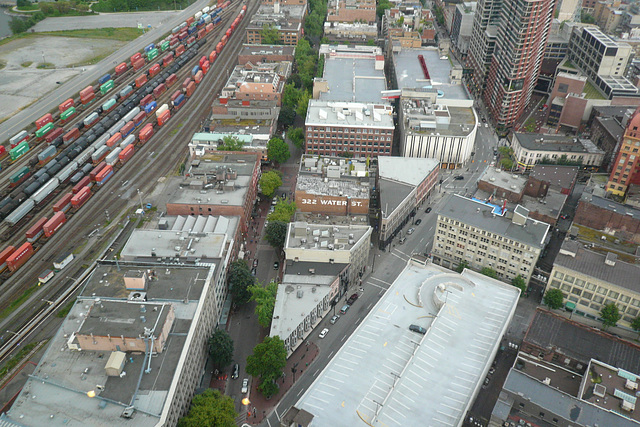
column 319, row 131
column 508, row 243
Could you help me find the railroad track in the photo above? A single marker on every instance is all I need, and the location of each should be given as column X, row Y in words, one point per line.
column 169, row 148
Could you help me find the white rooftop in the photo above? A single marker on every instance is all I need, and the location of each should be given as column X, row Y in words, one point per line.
column 413, row 379
column 409, row 170
column 349, row 114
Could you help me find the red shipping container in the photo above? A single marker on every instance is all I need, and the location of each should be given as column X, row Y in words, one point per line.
column 81, row 198
column 155, row 69
column 175, row 95
column 186, row 82
column 224, row 39
column 198, row 77
column 168, row 59
column 201, row 33
column 115, row 139
column 81, row 184
column 147, row 99
column 32, row 234
column 190, row 41
column 97, row 170
column 54, row 224
column 20, row 256
column 171, row 80
column 219, row 47
column 3, row 151
column 86, row 91
column 126, row 154
column 228, row 33
column 209, row 28
column 63, row 204
column 164, row 118
column 190, row 89
column 66, row 105
column 205, row 67
column 103, row 173
column 139, row 118
column 174, row 43
column 87, row 99
column 141, row 80
column 127, row 129
column 145, row 133
column 121, row 68
column 138, row 64
column 53, row 135
column 212, row 56
column 180, row 50
column 71, row 135
column 183, row 35
column 202, row 61
column 47, row 118
column 190, row 20
column 159, row 90
column 135, row 57
column 4, row 255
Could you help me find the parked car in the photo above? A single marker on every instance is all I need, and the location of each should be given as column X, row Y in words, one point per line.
column 418, row 221
column 276, row 265
column 324, row 333
column 352, row 299
column 411, row 230
column 334, row 319
column 245, row 386
column 458, row 177
column 428, row 210
column 344, row 309
column 418, row 329
column 402, row 240
column 235, row 372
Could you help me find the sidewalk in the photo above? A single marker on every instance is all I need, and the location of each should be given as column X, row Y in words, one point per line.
column 260, row 407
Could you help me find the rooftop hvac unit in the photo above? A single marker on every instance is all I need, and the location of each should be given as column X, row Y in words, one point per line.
column 299, row 293
column 627, row 406
column 631, row 385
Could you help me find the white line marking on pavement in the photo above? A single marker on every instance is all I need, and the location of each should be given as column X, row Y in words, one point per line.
column 300, row 392
column 316, row 372
column 343, row 338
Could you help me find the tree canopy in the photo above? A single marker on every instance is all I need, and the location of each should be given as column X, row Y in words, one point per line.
column 519, row 282
column 488, row 271
column 265, row 299
column 240, row 278
column 269, row 183
column 287, row 116
column 270, row 35
column 231, row 143
column 609, row 315
column 553, row 298
column 283, row 211
column 303, row 104
column 296, row 135
column 210, row 409
column 276, row 233
column 463, row 264
column 267, row 362
column 635, row 325
column 278, row 150
column 221, row 348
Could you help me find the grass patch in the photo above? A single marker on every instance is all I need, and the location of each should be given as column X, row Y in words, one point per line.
column 46, row 66
column 2, row 64
column 15, row 360
column 110, row 6
column 62, row 313
column 28, row 8
column 91, row 61
column 119, row 34
column 18, row 302
column 176, row 128
column 26, row 64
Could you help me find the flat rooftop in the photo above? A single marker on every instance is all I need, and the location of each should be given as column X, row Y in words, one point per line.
column 505, row 180
column 289, row 18
column 297, row 269
column 481, row 215
column 409, row 73
column 195, row 192
column 325, row 237
column 415, row 379
column 422, row 117
column 333, row 176
column 563, row 379
column 261, row 50
column 611, row 125
column 116, row 318
column 556, row 176
column 56, row 393
column 353, row 79
column 535, row 141
column 610, row 205
column 349, row 114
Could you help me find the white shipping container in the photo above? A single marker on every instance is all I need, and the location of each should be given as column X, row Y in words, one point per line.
column 206, row 9
column 131, row 139
column 101, row 141
column 161, row 110
column 197, row 16
column 67, row 171
column 130, row 115
column 90, row 119
column 62, row 261
column 46, row 189
column 112, row 158
column 99, row 153
column 20, row 212
column 86, row 155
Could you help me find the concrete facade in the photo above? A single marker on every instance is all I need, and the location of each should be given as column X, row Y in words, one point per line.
column 530, row 149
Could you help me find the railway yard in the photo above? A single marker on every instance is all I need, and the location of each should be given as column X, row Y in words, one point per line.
column 70, row 181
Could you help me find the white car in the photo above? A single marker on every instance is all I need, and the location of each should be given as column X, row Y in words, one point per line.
column 334, row 319
column 245, row 386
column 324, row 332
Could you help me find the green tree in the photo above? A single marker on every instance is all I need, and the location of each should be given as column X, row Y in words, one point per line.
column 268, row 359
column 210, row 409
column 463, row 264
column 270, row 35
column 231, row 143
column 505, row 151
column 635, row 325
column 313, row 25
column 586, row 18
column 382, row 6
column 269, row 183
column 265, row 299
column 506, row 163
column 488, row 271
column 303, row 50
column 320, row 67
column 519, row 282
column 283, row 211
column 240, row 278
column 296, row 135
column 609, row 315
column 18, row 25
column 371, row 42
column 278, row 150
column 287, row 116
column 553, row 298
column 276, row 233
column 290, row 95
column 268, row 388
column 221, row 348
column 303, row 104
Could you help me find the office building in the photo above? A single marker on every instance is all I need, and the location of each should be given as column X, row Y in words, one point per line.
column 287, row 19
column 257, row 82
column 532, row 148
column 597, row 54
column 351, row 11
column 505, row 54
column 462, row 25
column 358, row 129
column 483, row 235
column 625, row 169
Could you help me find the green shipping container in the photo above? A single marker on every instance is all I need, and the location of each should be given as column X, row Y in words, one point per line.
column 106, row 87
column 68, row 113
column 44, row 130
column 18, row 175
column 108, row 105
column 152, row 54
column 164, row 46
column 19, row 150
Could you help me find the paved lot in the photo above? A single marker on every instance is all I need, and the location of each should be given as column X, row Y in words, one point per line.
column 104, row 20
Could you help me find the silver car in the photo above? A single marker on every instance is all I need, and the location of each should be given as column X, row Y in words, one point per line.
column 245, row 386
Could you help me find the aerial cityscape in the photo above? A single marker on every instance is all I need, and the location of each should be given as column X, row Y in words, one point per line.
column 303, row 213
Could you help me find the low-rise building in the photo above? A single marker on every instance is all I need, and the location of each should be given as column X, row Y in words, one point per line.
column 481, row 235
column 352, row 128
column 255, row 53
column 404, row 184
column 207, row 143
column 589, row 280
column 410, row 26
column 351, row 11
column 257, row 82
column 131, row 350
column 560, row 178
column 333, row 186
column 287, row 19
column 530, row 149
column 356, row 32
column 259, row 119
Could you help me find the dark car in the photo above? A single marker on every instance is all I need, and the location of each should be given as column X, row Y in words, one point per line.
column 418, row 221
column 428, row 210
column 484, row 120
column 235, row 372
column 418, row 329
column 458, row 177
column 352, row 299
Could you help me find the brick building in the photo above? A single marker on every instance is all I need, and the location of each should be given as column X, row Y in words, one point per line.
column 257, row 82
column 255, row 53
column 351, row 11
column 287, row 20
column 625, row 169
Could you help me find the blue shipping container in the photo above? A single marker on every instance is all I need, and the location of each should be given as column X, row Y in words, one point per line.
column 195, row 71
column 105, row 179
column 216, row 20
column 192, row 30
column 179, row 100
column 150, row 47
column 104, row 79
column 150, row 107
